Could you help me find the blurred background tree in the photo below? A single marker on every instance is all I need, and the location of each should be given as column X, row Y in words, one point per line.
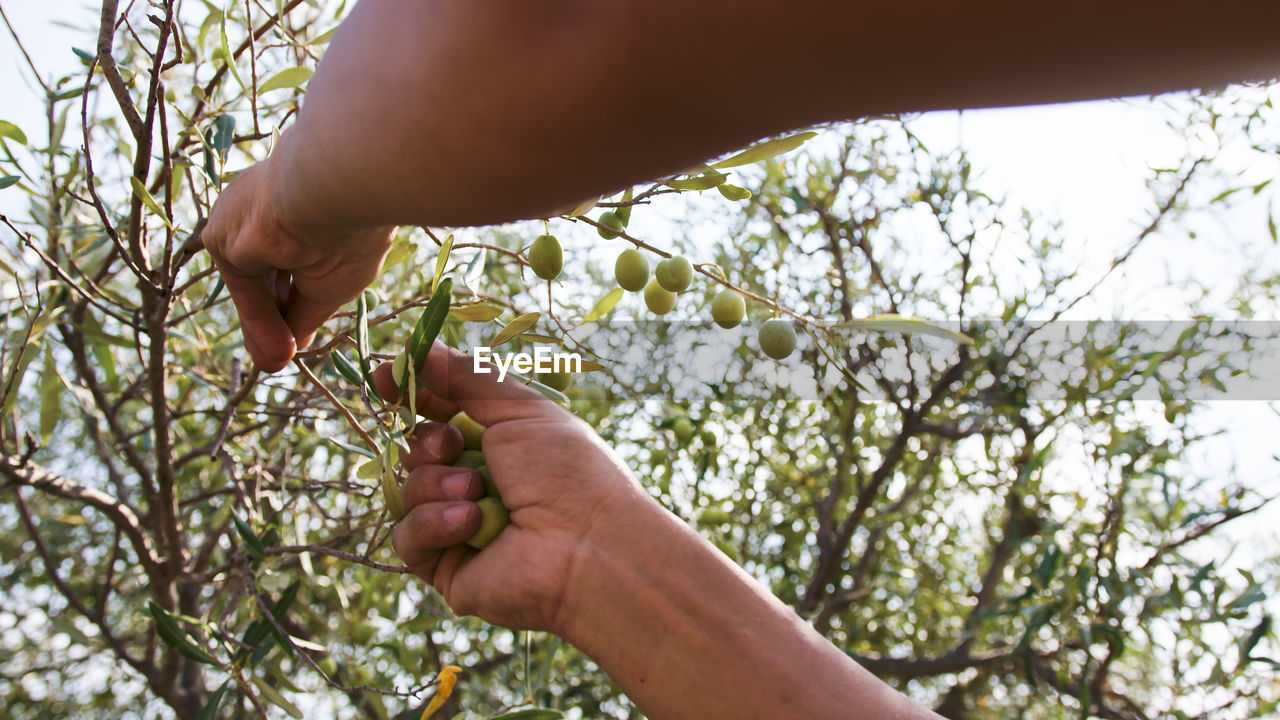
column 1011, row 526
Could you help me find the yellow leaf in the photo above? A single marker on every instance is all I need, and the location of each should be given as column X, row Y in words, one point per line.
column 765, row 150
column 447, row 679
column 480, row 312
column 604, row 305
column 141, row 191
column 441, row 260
column 515, row 327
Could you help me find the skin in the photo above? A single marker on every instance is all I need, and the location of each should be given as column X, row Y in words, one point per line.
column 592, row 558
column 449, row 112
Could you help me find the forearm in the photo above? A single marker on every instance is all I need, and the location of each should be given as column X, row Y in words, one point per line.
column 453, row 112
column 686, row 633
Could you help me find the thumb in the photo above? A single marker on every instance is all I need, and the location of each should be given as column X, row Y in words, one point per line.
column 453, row 376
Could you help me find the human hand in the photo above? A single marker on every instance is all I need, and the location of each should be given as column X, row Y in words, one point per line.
column 556, row 476
column 284, row 284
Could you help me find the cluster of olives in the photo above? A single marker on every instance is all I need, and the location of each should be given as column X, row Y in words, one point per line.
column 672, row 276
column 493, row 514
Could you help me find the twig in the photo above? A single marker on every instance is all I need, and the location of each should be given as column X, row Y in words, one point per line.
column 106, row 37
column 336, row 402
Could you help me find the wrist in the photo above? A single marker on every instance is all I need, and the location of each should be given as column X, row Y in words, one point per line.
column 282, row 194
column 303, row 217
column 615, row 548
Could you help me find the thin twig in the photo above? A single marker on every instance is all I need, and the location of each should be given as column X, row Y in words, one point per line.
column 336, row 403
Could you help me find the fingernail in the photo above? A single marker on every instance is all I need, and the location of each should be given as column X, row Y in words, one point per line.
column 456, row 516
column 435, row 443
column 457, row 484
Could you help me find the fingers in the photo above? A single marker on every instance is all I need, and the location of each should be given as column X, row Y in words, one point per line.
column 305, row 316
column 431, row 529
column 441, row 484
column 426, row 402
column 451, row 376
column 266, row 336
column 433, row 443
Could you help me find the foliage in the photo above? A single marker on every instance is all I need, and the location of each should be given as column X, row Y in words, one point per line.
column 998, row 527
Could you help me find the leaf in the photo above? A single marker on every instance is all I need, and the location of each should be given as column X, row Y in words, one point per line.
column 354, row 448
column 323, row 37
column 344, row 367
column 441, row 259
column 907, row 326
column 210, row 709
column 765, row 150
column 515, row 327
column 140, row 191
column 362, row 336
column 13, row 132
column 287, row 78
column 50, row 396
column 705, row 181
column 26, row 354
column 551, row 393
column 604, row 305
column 213, row 294
column 391, row 494
column 428, row 327
column 530, row 714
column 480, row 312
column 252, row 542
column 7, row 180
column 172, row 634
column 279, row 610
column 229, row 58
column 733, row 192
column 475, row 270
column 219, row 137
column 399, row 252
column 276, row 698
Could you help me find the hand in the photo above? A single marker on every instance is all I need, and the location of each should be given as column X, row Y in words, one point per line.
column 284, row 284
column 555, row 475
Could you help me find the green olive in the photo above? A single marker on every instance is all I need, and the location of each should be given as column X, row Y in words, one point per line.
column 612, row 223
column 777, row 338
column 493, row 518
column 631, row 270
column 728, row 308
column 556, row 380
column 675, row 273
column 470, row 459
column 471, row 430
column 490, row 489
column 659, row 300
column 546, row 258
